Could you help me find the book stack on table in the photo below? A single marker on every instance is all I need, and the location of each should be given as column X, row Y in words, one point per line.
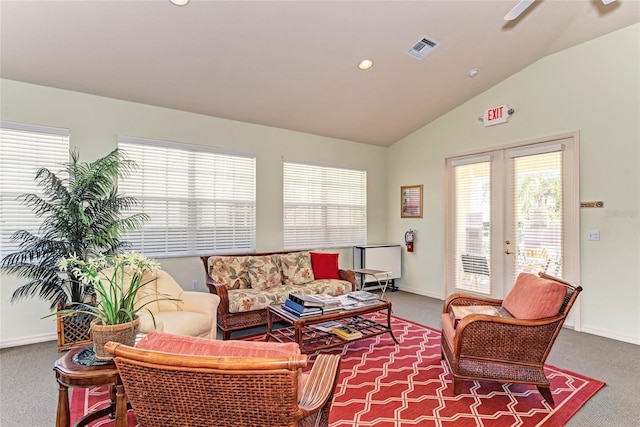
column 311, row 305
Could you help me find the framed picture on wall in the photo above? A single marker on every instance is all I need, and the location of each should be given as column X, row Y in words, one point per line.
column 411, row 201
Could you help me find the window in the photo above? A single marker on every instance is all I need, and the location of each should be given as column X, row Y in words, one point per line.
column 199, row 199
column 324, row 206
column 23, row 150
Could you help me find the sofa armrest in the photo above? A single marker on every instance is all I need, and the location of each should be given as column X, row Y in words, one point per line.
column 222, row 292
column 349, row 276
column 149, row 323
column 199, row 302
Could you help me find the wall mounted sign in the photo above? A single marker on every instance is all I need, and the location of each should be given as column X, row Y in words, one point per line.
column 411, row 201
column 496, row 115
column 598, row 204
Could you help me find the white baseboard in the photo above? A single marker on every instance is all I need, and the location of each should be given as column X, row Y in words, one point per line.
column 33, row 339
column 421, row 292
column 611, row 335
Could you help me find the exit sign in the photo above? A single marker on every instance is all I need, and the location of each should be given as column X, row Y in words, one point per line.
column 496, row 115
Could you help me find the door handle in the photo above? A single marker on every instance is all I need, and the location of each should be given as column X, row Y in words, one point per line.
column 507, row 251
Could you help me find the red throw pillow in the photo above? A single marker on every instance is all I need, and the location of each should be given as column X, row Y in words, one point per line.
column 325, row 266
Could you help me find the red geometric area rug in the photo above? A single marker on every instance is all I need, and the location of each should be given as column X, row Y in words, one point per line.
column 385, row 385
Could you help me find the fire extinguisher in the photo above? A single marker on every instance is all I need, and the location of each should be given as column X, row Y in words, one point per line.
column 409, row 237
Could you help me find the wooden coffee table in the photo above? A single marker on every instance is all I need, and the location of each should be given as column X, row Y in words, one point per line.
column 311, row 339
column 70, row 373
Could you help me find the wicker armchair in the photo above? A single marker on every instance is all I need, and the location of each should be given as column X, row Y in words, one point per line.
column 167, row 389
column 502, row 349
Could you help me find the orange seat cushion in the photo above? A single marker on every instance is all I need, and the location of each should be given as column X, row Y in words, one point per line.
column 179, row 344
column 533, row 297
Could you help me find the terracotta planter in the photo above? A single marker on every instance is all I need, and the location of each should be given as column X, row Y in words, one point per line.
column 124, row 333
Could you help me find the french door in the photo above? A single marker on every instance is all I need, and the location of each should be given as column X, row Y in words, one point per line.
column 512, row 210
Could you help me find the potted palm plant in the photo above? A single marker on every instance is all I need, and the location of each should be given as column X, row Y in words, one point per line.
column 83, row 216
column 116, row 280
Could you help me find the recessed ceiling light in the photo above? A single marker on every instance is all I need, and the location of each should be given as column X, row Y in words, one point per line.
column 473, row 72
column 365, row 64
column 179, row 2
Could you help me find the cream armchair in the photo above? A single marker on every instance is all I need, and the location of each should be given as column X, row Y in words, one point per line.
column 193, row 315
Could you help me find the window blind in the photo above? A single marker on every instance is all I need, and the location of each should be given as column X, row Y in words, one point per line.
column 324, row 206
column 199, row 200
column 24, row 149
column 471, row 247
column 537, row 195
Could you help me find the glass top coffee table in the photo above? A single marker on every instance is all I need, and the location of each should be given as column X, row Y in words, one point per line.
column 310, row 339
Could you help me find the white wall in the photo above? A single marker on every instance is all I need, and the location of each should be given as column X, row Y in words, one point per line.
column 593, row 88
column 94, row 122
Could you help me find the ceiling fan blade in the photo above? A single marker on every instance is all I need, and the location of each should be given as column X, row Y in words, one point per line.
column 518, row 9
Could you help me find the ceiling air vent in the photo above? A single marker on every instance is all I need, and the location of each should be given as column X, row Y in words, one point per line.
column 422, row 48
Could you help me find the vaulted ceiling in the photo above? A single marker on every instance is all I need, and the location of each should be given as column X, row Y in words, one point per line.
column 293, row 64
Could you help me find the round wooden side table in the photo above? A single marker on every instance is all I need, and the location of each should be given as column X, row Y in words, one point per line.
column 70, row 373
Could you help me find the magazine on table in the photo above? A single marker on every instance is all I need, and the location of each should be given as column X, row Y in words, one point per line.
column 326, row 326
column 325, row 299
column 362, row 295
column 361, row 304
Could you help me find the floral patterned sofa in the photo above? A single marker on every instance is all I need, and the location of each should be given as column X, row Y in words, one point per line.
column 248, row 283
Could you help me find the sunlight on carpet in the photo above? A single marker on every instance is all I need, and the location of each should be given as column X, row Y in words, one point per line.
column 385, row 385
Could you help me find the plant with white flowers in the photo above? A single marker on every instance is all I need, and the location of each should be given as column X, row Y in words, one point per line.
column 116, row 280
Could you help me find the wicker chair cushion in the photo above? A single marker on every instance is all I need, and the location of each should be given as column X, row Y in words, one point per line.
column 264, row 272
column 230, row 270
column 179, row 344
column 296, row 268
column 533, row 297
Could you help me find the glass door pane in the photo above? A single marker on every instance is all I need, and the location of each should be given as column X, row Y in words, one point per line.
column 472, row 235
column 537, row 208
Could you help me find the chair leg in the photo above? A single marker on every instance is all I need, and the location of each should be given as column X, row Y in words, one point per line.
column 457, row 386
column 546, row 393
